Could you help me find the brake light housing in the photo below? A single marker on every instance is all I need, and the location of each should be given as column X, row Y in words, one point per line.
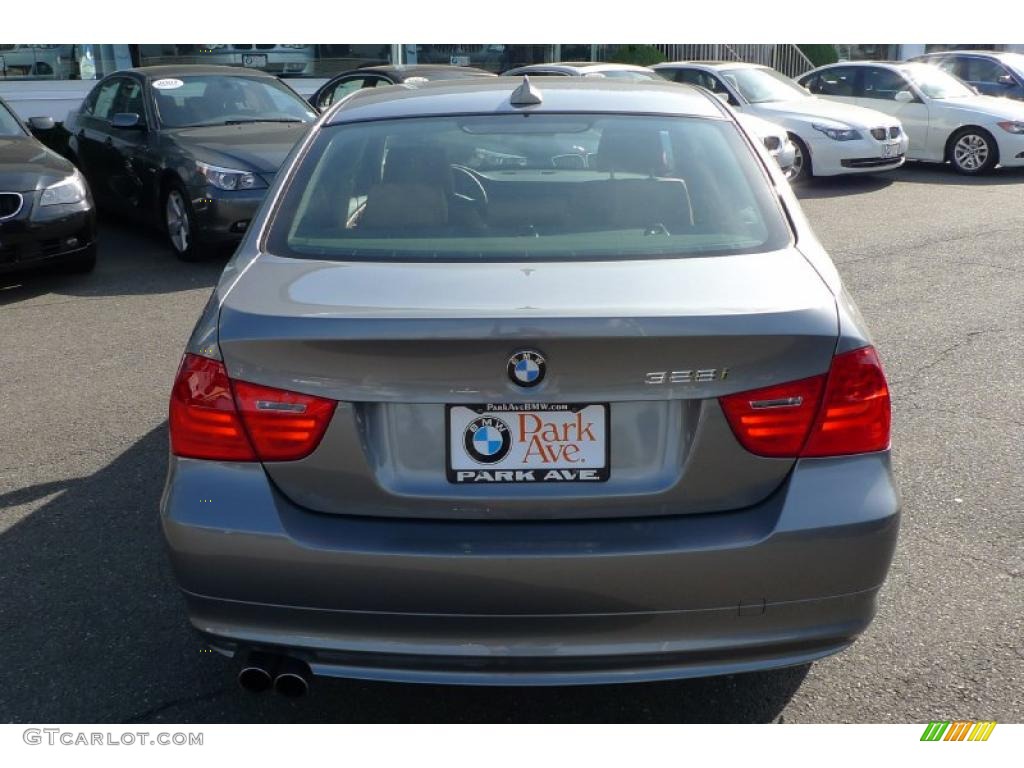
column 846, row 411
column 212, row 417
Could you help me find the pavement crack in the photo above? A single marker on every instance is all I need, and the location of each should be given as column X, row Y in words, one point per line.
column 196, row 698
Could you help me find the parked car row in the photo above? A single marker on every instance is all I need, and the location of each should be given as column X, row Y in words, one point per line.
column 192, row 149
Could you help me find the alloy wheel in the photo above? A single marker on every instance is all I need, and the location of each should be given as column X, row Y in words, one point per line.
column 177, row 222
column 971, row 152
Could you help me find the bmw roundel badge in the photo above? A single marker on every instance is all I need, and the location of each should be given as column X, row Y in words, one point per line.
column 527, row 368
column 487, row 440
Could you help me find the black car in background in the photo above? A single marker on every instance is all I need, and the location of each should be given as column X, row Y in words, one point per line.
column 388, row 74
column 992, row 73
column 191, row 149
column 46, row 210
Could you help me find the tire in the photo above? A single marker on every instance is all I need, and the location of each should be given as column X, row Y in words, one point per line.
column 802, row 170
column 81, row 263
column 972, row 151
column 179, row 223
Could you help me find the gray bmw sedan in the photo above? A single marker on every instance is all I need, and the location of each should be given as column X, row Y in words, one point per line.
column 515, row 383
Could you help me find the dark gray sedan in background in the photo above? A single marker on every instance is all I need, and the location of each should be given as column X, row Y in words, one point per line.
column 191, row 149
column 517, row 383
column 46, row 210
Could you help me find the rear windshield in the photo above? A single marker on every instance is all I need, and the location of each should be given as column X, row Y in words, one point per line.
column 528, row 187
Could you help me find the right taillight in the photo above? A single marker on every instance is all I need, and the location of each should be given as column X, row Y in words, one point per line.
column 213, row 417
column 843, row 412
column 855, row 414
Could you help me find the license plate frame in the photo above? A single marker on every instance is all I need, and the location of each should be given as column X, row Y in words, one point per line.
column 254, row 60
column 461, row 468
column 891, row 150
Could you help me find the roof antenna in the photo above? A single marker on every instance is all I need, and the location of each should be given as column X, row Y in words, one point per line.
column 525, row 94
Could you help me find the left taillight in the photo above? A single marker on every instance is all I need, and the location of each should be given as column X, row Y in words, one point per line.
column 213, row 417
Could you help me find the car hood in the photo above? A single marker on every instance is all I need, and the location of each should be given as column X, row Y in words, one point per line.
column 26, row 165
column 259, row 147
column 991, row 106
column 815, row 108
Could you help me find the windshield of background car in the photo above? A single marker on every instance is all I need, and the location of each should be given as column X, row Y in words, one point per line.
column 936, row 84
column 528, row 187
column 9, row 124
column 193, row 100
column 762, row 85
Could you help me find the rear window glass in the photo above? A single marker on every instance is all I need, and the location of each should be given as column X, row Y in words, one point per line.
column 528, row 187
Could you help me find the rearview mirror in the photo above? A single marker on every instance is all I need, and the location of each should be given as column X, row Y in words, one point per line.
column 904, row 97
column 127, row 121
column 40, row 123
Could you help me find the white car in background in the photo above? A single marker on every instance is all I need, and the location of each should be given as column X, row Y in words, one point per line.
column 829, row 138
column 945, row 118
column 775, row 139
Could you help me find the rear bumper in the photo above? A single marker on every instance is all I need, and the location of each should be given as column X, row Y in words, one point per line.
column 534, row 602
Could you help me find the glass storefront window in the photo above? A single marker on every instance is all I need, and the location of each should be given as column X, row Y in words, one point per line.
column 493, row 57
column 75, row 61
column 285, row 60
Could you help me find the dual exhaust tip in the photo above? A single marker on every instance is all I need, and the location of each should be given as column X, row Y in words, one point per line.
column 288, row 676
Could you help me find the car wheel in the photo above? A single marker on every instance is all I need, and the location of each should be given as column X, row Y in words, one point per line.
column 801, row 169
column 180, row 224
column 973, row 151
column 82, row 262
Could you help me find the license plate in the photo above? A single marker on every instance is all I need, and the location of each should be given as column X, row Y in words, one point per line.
column 528, row 443
column 256, row 60
column 891, row 150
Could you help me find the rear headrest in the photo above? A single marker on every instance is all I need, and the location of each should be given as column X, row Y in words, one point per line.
column 417, row 165
column 632, row 150
column 398, row 208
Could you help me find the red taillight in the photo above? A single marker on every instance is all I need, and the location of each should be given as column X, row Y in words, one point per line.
column 774, row 421
column 204, row 422
column 843, row 412
column 282, row 425
column 213, row 417
column 855, row 412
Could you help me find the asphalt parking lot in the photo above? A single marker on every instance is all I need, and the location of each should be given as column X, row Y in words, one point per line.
column 92, row 628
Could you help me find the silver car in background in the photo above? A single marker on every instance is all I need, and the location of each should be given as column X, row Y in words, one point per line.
column 463, row 410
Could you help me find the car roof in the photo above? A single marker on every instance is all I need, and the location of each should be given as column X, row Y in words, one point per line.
column 421, row 70
column 493, row 96
column 708, row 64
column 580, row 66
column 184, row 70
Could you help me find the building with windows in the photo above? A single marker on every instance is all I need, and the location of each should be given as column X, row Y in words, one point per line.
column 52, row 79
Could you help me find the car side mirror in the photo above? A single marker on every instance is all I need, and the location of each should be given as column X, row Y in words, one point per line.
column 127, row 121
column 722, row 96
column 41, row 123
column 904, row 97
column 1006, row 80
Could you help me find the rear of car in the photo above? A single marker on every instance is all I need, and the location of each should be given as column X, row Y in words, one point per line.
column 530, row 388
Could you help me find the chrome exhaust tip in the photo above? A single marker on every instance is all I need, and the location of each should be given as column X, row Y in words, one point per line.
column 257, row 675
column 292, row 680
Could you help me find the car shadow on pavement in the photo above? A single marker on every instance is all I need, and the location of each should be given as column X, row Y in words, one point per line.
column 92, row 629
column 842, row 186
column 132, row 260
column 938, row 173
